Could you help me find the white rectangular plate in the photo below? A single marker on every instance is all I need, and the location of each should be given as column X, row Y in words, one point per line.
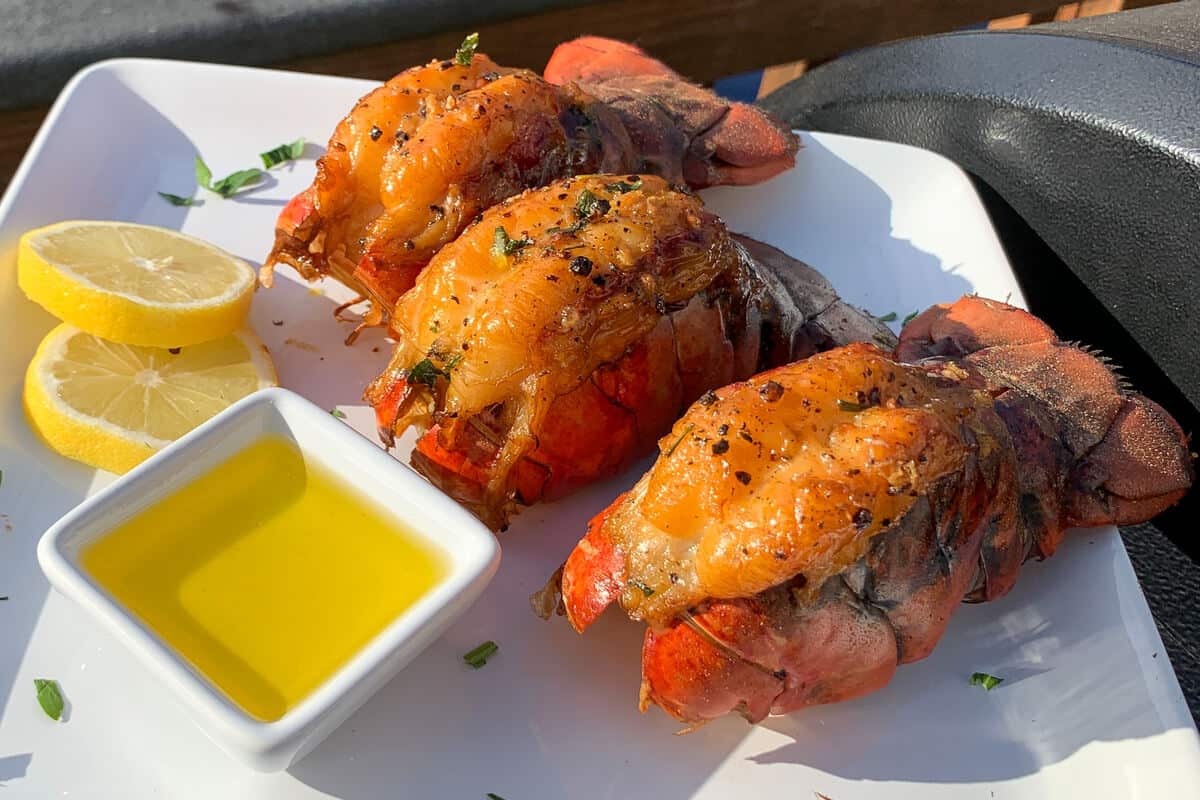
column 1089, row 707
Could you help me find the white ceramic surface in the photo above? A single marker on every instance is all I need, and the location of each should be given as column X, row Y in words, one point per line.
column 1089, row 708
column 470, row 551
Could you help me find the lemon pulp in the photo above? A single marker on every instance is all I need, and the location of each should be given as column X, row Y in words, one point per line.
column 135, row 284
column 267, row 574
column 113, row 405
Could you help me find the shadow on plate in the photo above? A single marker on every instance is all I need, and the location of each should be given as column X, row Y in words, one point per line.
column 14, row 767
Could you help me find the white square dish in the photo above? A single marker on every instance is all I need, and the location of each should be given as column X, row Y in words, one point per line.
column 469, row 549
column 1090, row 707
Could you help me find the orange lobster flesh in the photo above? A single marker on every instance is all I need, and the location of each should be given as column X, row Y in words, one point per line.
column 418, row 158
column 804, row 532
column 554, row 341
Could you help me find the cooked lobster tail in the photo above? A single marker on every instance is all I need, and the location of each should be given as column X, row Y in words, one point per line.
column 873, row 494
column 558, row 363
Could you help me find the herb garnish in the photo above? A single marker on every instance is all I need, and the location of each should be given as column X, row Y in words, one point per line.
column 480, row 655
column 466, row 50
column 493, row 796
column 910, row 317
column 679, row 441
column 588, row 205
column 646, row 590
column 176, row 200
column 621, row 187
column 504, row 245
column 1, row 477
column 425, row 372
column 988, row 682
column 49, row 697
column 888, row 317
column 337, row 413
column 230, row 184
column 283, row 153
column 852, row 407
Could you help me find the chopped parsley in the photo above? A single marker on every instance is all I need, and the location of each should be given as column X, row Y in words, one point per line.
column 670, row 450
column 282, row 154
column 466, row 50
column 480, row 655
column 337, row 413
column 910, row 317
column 646, row 590
column 1, row 477
column 176, row 200
column 621, row 187
column 888, row 317
column 49, row 697
column 988, row 682
column 588, row 205
column 229, row 185
column 425, row 372
column 850, row 406
column 504, row 245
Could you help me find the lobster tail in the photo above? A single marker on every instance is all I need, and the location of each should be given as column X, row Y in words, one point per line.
column 814, row 527
column 682, row 131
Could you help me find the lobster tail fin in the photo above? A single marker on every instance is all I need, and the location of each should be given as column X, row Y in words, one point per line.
column 683, row 132
column 1120, row 456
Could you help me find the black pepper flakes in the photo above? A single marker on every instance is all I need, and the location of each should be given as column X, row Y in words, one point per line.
column 581, row 265
column 598, row 280
column 771, row 391
column 708, row 398
column 375, row 133
column 720, row 447
column 722, row 429
column 862, row 518
column 743, row 477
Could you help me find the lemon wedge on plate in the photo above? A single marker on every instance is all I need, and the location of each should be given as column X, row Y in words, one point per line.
column 135, row 284
column 113, row 405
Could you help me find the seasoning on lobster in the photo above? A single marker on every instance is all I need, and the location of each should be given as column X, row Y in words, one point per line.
column 804, row 532
column 560, row 335
column 418, row 158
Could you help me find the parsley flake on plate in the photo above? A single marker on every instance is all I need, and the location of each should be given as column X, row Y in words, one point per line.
column 988, row 682
column 282, row 154
column 49, row 697
column 479, row 656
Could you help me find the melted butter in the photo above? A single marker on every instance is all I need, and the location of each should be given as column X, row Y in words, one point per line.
column 267, row 574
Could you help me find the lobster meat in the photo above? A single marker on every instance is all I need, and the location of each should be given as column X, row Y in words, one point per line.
column 559, row 336
column 804, row 532
column 420, row 157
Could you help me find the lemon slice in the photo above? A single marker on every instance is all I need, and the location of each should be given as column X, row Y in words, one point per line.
column 113, row 405
column 136, row 284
